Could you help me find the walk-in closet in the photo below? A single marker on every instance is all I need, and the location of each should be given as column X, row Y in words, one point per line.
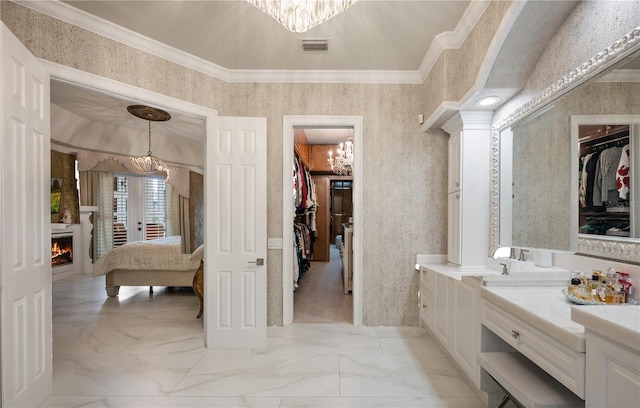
column 323, row 231
column 604, row 180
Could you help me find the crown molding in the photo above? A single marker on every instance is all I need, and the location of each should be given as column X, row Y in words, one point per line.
column 451, row 39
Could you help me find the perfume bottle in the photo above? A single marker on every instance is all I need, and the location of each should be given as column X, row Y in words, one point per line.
column 574, row 283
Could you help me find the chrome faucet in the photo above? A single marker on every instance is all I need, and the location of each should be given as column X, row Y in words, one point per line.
column 505, row 271
column 522, row 251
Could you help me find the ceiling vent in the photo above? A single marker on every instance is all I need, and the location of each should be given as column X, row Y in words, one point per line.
column 314, row 45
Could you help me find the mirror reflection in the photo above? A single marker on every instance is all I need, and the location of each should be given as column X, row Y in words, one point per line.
column 605, row 178
column 545, row 208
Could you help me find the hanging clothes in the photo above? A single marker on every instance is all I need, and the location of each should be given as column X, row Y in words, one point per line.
column 622, row 173
column 605, row 176
column 305, row 229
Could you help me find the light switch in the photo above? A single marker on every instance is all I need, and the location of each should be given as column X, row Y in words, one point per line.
column 274, row 243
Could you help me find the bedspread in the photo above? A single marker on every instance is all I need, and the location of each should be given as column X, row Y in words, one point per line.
column 158, row 254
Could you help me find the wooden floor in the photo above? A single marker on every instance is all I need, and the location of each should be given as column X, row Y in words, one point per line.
column 320, row 297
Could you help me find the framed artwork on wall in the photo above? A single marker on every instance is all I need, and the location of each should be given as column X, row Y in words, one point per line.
column 56, row 194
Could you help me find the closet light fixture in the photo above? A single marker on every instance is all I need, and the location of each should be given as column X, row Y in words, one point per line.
column 299, row 16
column 342, row 163
column 149, row 164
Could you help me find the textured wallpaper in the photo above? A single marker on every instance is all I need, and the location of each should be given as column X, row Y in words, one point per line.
column 404, row 171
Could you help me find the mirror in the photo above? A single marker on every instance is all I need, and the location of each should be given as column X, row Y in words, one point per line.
column 535, row 168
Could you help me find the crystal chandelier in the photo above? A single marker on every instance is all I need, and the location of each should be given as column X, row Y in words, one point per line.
column 299, row 16
column 149, row 164
column 342, row 163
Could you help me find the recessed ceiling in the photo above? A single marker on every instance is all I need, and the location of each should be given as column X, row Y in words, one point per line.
column 370, row 35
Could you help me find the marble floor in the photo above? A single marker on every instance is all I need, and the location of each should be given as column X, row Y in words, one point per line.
column 143, row 350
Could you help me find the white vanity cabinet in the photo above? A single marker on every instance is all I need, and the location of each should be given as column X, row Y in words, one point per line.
column 425, row 301
column 613, row 374
column 449, row 309
column 442, row 308
column 536, row 321
column 466, row 326
column 468, row 187
column 613, row 355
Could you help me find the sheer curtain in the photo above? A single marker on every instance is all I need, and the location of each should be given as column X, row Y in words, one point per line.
column 178, row 217
column 96, row 189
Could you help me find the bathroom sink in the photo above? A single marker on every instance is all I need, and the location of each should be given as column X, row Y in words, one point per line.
column 524, row 273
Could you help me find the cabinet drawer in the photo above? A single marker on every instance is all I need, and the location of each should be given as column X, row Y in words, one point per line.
column 565, row 365
column 426, row 276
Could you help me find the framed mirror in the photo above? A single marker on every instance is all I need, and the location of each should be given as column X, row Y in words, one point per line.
column 535, row 199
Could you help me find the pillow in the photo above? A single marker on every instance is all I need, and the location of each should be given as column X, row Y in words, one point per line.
column 198, row 254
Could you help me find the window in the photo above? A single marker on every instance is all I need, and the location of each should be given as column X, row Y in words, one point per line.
column 155, row 217
column 139, row 209
column 120, row 197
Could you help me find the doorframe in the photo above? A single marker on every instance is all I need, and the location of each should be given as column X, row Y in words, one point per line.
column 288, row 124
column 119, row 89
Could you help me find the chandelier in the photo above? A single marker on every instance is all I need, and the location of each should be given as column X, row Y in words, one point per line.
column 342, row 163
column 149, row 164
column 299, row 16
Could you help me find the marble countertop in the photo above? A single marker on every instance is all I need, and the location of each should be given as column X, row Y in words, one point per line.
column 544, row 308
column 553, row 277
column 620, row 323
column 456, row 272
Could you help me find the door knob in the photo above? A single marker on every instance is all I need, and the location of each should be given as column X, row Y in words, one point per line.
column 259, row 261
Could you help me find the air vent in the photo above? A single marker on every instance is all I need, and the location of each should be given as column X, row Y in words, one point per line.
column 314, row 45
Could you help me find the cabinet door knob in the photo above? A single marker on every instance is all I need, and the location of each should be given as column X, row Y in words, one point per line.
column 515, row 334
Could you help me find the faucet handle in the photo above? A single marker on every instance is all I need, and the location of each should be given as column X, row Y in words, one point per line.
column 522, row 257
column 505, row 271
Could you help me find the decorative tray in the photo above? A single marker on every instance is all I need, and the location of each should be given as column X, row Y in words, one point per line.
column 579, row 301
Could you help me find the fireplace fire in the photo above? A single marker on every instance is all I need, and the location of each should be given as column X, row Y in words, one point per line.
column 61, row 250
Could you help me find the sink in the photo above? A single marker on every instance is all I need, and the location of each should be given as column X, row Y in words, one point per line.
column 525, row 273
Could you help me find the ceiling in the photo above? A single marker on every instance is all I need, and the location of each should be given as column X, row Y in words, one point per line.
column 232, row 40
column 233, row 34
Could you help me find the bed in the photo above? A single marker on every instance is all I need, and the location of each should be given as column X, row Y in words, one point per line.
column 157, row 262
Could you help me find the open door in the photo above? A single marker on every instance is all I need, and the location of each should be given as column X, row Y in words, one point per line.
column 25, row 243
column 236, row 231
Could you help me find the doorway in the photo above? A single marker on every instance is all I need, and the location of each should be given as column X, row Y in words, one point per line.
column 322, row 265
column 290, row 124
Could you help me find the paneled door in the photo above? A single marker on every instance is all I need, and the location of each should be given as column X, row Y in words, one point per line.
column 25, row 226
column 236, row 235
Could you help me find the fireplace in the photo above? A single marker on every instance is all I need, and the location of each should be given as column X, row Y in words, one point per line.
column 61, row 250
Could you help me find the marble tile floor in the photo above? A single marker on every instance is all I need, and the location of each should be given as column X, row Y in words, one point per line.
column 143, row 350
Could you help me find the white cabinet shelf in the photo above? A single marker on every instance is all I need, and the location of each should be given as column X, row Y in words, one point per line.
column 468, row 187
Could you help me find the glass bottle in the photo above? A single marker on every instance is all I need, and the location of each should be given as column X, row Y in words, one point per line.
column 574, row 283
column 618, row 294
column 594, row 285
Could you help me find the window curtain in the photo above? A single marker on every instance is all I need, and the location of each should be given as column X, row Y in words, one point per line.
column 96, row 189
column 178, row 217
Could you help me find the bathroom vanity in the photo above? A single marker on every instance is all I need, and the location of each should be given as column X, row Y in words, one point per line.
column 588, row 352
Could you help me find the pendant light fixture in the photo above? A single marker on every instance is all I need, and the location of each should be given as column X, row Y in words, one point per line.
column 149, row 164
column 342, row 162
column 299, row 16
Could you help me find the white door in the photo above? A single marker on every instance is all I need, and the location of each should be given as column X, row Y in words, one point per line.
column 25, row 230
column 236, row 231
